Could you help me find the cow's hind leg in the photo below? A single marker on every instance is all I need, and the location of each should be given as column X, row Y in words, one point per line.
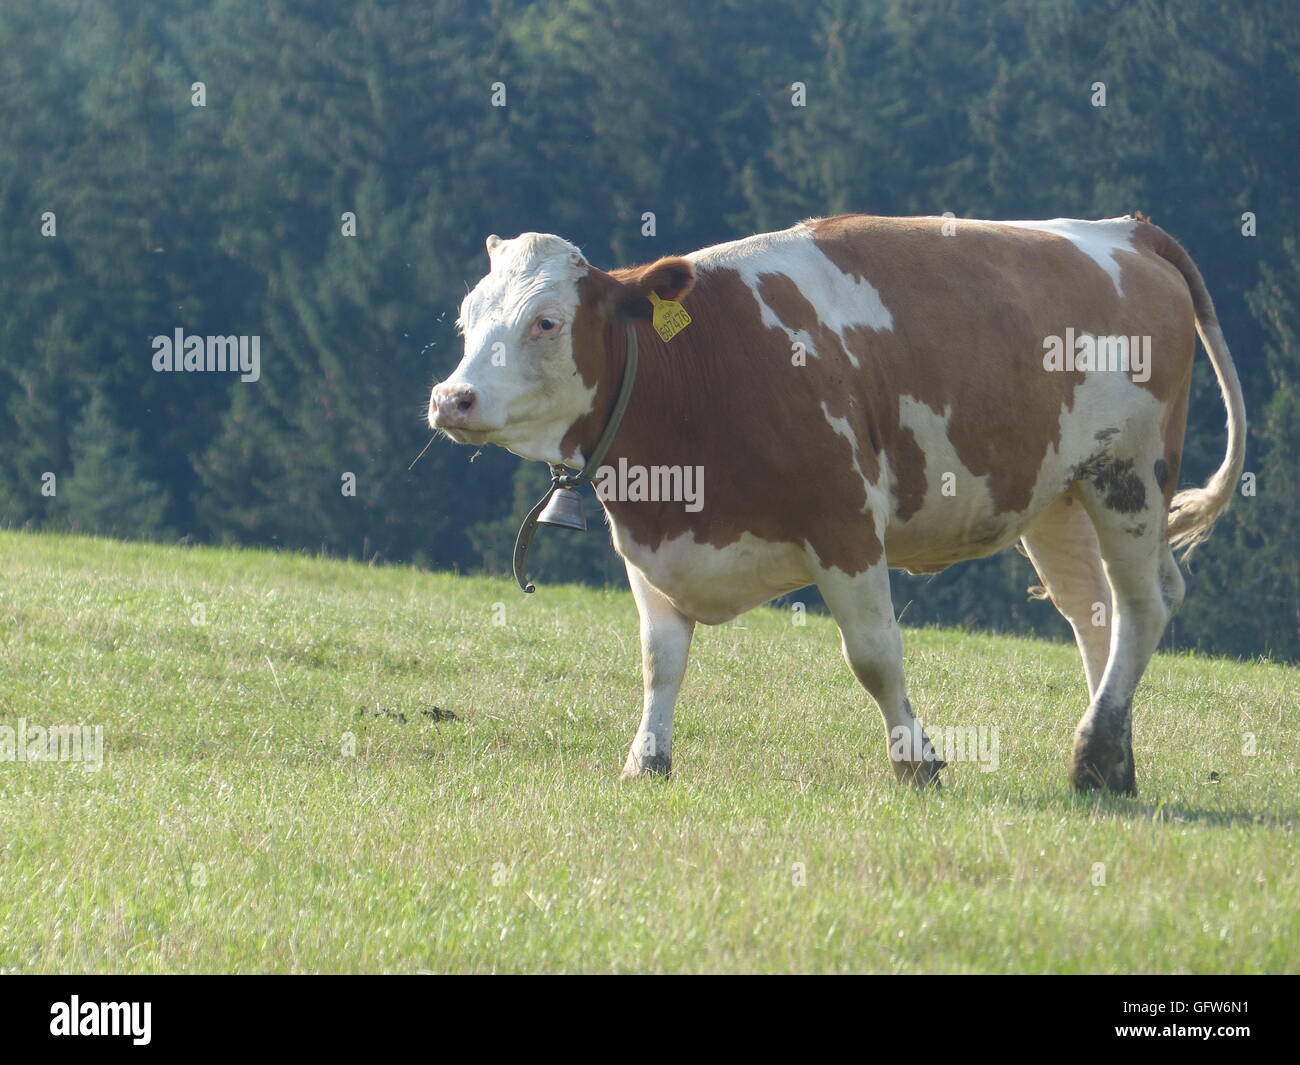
column 1127, row 507
column 1062, row 545
column 873, row 648
column 665, row 645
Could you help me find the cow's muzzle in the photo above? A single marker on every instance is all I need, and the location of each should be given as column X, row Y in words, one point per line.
column 453, row 406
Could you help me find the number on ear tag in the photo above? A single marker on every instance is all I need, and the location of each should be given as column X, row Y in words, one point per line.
column 668, row 317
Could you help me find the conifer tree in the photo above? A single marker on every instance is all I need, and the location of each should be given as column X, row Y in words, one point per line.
column 107, row 492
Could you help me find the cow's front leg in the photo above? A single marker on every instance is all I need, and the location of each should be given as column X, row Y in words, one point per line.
column 873, row 648
column 665, row 645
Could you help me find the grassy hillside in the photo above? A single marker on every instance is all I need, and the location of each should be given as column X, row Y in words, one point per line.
column 232, row 828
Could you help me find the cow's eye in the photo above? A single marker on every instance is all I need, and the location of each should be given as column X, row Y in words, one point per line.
column 545, row 326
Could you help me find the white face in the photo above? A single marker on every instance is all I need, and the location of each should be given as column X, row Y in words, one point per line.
column 517, row 384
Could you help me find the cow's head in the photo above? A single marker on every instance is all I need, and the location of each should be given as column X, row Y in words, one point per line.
column 535, row 333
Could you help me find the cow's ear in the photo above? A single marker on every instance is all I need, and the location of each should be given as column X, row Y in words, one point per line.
column 493, row 242
column 669, row 278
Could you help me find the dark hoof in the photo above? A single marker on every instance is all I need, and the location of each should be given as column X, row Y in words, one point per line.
column 654, row 765
column 920, row 774
column 1103, row 761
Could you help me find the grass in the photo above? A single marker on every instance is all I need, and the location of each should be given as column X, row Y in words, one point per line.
column 232, row 829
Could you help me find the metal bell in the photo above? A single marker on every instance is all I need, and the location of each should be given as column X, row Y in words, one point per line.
column 564, row 510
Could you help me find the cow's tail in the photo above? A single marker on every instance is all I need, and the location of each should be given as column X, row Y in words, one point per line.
column 1193, row 511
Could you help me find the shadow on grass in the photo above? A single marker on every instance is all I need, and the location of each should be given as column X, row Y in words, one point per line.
column 1120, row 808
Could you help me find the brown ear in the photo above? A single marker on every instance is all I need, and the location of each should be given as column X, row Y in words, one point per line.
column 670, row 278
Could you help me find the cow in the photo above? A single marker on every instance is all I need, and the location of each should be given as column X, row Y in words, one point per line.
column 865, row 393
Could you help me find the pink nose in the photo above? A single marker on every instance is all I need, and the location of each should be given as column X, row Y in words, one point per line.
column 453, row 406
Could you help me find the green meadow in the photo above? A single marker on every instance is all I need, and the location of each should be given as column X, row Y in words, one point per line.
column 320, row 766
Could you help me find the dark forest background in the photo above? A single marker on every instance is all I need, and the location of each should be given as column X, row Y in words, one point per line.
column 226, row 220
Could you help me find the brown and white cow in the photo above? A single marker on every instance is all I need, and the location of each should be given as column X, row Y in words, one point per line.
column 870, row 392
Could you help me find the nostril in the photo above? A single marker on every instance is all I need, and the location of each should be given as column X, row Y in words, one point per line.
column 464, row 403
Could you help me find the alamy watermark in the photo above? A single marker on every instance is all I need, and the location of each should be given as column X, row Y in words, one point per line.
column 128, row 1019
column 1084, row 351
column 181, row 353
column 53, row 743
column 956, row 743
column 631, row 483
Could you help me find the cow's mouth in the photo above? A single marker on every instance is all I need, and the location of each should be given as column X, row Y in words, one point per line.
column 469, row 436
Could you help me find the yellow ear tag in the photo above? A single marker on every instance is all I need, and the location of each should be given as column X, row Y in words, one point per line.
column 668, row 317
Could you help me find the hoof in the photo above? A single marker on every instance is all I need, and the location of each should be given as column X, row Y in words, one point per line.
column 1103, row 759
column 920, row 774
column 654, row 765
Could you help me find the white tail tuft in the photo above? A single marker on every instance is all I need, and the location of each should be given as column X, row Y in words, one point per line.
column 1193, row 511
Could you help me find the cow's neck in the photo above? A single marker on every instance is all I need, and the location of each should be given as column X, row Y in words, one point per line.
column 615, row 403
column 662, row 419
column 651, row 401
